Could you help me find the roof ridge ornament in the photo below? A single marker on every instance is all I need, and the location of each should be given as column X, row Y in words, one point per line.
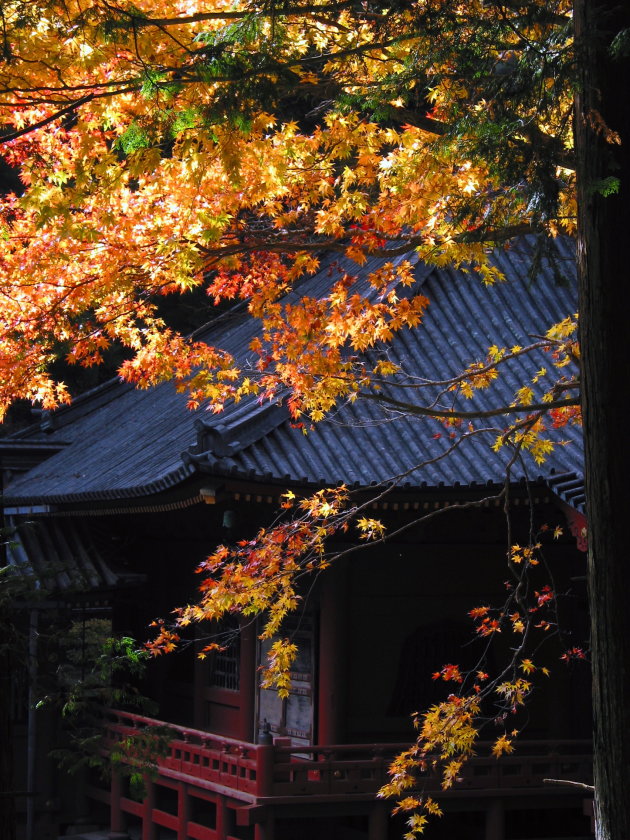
column 229, row 435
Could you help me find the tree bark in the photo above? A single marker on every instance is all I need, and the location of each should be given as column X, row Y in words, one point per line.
column 7, row 780
column 602, row 135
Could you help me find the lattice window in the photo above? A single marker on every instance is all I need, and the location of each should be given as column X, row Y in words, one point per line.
column 225, row 664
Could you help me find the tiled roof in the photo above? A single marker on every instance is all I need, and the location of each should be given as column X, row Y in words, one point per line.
column 63, row 555
column 124, row 443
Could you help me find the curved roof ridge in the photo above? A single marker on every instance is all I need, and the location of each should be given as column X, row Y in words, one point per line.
column 226, row 436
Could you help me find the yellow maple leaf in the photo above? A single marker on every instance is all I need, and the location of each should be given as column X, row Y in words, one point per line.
column 502, row 745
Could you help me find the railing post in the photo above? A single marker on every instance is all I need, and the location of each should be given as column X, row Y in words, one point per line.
column 328, row 775
column 223, row 824
column 264, row 769
column 183, row 808
column 148, row 828
column 380, row 765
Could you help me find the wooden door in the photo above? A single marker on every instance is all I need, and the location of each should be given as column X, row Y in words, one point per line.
column 291, row 717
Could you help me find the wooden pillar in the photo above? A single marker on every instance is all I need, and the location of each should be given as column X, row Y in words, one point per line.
column 495, row 820
column 247, row 688
column 265, row 757
column 331, row 721
column 148, row 827
column 225, row 819
column 183, row 811
column 377, row 821
column 200, row 684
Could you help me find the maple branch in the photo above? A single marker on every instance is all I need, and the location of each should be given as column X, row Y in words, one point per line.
column 428, row 124
column 51, row 118
column 182, row 75
column 527, row 423
column 550, row 144
column 410, row 408
column 410, row 244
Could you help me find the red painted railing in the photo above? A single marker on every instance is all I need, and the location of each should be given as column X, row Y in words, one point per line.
column 363, row 769
column 251, row 772
column 211, row 760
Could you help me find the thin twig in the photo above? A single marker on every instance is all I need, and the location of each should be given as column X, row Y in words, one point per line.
column 571, row 783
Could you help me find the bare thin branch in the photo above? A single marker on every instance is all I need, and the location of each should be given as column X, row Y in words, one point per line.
column 571, row 783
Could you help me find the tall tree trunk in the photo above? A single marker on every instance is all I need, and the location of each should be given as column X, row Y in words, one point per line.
column 7, row 634
column 602, row 132
column 7, row 781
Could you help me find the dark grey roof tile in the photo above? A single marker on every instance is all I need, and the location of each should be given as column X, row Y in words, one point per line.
column 123, row 442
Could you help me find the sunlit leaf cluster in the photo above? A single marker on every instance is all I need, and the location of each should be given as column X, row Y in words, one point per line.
column 172, row 145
